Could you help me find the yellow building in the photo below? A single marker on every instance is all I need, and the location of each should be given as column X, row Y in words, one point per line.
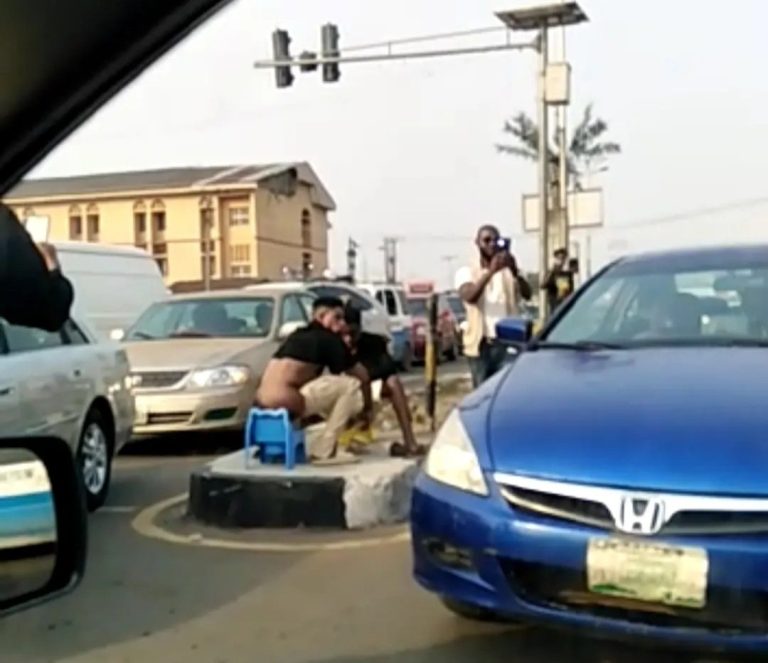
column 241, row 221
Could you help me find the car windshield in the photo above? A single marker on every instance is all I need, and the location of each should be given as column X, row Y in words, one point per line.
column 248, row 317
column 417, row 306
column 706, row 301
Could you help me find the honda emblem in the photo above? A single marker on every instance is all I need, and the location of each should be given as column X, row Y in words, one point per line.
column 641, row 515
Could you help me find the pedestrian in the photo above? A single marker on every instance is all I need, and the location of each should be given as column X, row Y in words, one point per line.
column 34, row 291
column 294, row 380
column 491, row 289
column 559, row 281
column 370, row 350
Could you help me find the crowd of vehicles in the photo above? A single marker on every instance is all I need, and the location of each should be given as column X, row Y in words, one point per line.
column 139, row 362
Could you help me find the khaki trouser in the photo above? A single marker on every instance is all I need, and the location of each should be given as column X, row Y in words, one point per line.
column 336, row 398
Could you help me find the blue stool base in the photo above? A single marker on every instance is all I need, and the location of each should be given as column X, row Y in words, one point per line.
column 273, row 434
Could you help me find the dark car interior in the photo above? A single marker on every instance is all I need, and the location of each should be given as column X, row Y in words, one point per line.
column 74, row 56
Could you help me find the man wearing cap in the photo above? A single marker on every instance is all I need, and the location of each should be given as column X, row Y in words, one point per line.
column 558, row 283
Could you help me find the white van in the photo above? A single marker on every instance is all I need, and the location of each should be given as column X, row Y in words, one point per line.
column 113, row 284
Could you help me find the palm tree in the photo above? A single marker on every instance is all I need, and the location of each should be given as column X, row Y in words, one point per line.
column 586, row 153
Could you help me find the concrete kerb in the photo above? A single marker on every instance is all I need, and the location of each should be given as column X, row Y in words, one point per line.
column 145, row 524
column 229, row 493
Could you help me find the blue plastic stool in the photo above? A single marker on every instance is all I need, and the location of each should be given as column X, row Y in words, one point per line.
column 275, row 436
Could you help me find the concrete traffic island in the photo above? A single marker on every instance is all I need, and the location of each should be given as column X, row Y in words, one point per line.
column 376, row 491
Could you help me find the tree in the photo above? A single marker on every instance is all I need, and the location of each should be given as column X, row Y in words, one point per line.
column 586, row 152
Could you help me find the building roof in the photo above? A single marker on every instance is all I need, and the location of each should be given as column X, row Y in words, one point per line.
column 169, row 179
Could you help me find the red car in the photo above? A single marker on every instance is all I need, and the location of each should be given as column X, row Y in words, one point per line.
column 448, row 341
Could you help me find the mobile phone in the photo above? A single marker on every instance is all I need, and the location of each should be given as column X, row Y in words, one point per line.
column 504, row 244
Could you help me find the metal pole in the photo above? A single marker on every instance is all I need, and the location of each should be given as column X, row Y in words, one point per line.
column 430, row 362
column 562, row 131
column 270, row 64
column 543, row 169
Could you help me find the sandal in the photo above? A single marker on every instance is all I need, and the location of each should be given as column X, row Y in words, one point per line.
column 399, row 450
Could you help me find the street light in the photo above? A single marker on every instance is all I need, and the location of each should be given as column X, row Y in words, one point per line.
column 542, row 18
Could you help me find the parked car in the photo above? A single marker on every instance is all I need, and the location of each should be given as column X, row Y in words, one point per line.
column 613, row 477
column 447, row 338
column 393, row 298
column 374, row 316
column 100, row 274
column 459, row 313
column 196, row 359
column 68, row 385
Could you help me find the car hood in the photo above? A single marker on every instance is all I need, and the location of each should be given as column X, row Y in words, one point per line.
column 689, row 420
column 189, row 353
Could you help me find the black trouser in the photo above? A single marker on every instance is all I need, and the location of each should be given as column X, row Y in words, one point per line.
column 489, row 361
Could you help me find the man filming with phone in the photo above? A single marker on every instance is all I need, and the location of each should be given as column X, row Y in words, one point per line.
column 491, row 290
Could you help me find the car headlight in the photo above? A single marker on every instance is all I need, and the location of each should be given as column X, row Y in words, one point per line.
column 221, row 376
column 452, row 459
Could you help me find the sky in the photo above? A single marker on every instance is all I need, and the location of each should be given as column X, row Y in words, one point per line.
column 407, row 147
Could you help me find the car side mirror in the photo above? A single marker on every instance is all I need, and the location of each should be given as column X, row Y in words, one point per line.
column 117, row 334
column 287, row 328
column 514, row 331
column 43, row 521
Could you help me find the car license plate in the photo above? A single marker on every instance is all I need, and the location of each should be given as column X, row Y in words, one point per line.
column 649, row 572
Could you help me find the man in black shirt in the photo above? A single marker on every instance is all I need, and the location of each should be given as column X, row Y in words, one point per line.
column 558, row 283
column 33, row 292
column 294, row 379
column 372, row 353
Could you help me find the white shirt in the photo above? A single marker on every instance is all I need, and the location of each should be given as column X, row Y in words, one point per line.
column 493, row 301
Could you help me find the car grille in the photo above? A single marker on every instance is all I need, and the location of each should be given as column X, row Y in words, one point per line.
column 563, row 507
column 601, row 507
column 554, row 587
column 157, row 379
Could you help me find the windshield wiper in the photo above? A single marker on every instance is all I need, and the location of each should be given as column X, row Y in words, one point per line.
column 580, row 346
column 190, row 334
column 142, row 335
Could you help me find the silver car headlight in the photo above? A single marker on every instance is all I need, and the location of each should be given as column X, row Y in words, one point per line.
column 452, row 459
column 221, row 376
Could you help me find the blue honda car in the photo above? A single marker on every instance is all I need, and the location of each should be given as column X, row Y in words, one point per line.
column 614, row 477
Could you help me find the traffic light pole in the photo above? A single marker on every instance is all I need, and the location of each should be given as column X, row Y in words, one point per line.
column 352, row 59
column 543, row 169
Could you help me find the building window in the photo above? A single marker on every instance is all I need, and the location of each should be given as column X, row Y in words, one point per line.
column 160, row 254
column 306, row 229
column 240, row 253
column 239, row 216
column 75, row 223
column 92, row 223
column 140, row 224
column 158, row 217
column 240, row 260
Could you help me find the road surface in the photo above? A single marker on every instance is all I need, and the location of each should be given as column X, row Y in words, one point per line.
column 145, row 599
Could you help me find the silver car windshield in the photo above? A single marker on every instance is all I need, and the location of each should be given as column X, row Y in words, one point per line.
column 249, row 317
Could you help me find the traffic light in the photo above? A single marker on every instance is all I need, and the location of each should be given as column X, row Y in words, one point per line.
column 281, row 48
column 352, row 247
column 330, row 41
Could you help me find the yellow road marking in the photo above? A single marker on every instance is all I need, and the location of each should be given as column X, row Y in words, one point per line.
column 144, row 524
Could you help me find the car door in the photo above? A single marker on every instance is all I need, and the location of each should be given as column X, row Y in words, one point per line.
column 47, row 380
